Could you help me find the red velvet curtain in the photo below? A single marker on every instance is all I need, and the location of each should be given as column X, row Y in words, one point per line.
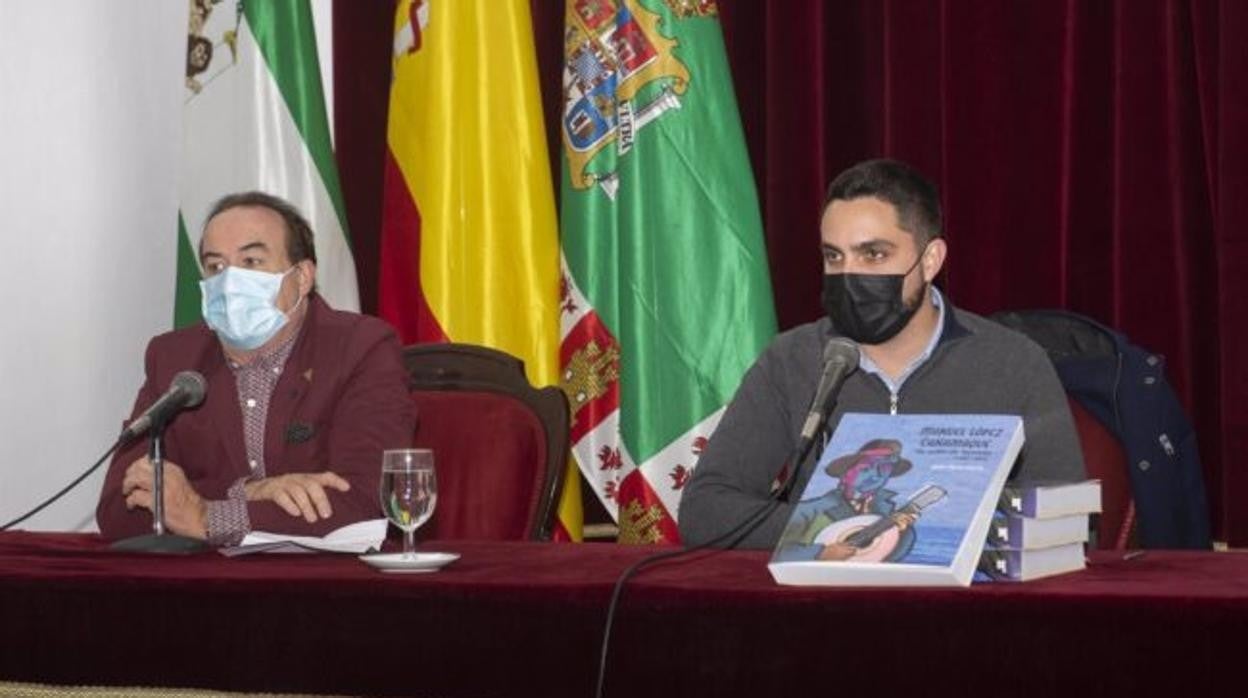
column 1092, row 155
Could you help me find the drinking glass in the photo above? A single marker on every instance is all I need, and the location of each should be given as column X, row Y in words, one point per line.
column 409, row 491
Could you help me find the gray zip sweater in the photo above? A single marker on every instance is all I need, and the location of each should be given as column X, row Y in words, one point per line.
column 978, row 367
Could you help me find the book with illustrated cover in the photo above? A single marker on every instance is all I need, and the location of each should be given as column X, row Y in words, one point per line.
column 899, row 500
column 1005, row 565
column 1045, row 500
column 1021, row 532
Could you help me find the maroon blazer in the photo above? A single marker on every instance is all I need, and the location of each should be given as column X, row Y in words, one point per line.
column 340, row 401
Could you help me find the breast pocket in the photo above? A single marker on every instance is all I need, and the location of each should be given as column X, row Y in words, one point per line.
column 303, row 448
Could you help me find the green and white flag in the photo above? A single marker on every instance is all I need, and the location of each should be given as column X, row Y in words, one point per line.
column 666, row 294
column 254, row 118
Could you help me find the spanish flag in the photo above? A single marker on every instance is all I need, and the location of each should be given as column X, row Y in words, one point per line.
column 469, row 243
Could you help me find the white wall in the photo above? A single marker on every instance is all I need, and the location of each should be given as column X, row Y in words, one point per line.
column 90, row 124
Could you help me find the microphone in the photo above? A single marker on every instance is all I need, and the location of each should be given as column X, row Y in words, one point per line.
column 185, row 391
column 840, row 359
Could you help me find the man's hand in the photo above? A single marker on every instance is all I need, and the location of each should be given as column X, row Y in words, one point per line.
column 186, row 513
column 298, row 494
column 904, row 521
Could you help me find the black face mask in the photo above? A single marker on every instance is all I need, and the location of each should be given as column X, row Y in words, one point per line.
column 868, row 308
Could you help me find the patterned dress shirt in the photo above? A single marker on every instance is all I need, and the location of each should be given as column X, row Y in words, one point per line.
column 228, row 522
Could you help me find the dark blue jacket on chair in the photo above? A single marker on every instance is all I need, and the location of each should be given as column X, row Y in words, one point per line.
column 1124, row 386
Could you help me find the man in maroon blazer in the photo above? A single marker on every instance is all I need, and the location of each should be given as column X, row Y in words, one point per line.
column 302, row 399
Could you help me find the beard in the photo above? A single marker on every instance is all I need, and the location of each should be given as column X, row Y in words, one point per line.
column 911, row 304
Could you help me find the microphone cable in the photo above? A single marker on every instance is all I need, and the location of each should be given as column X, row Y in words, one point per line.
column 186, row 390
column 732, row 537
column 65, row 490
column 749, row 524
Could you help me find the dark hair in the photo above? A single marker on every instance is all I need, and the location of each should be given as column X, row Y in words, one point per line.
column 299, row 245
column 914, row 197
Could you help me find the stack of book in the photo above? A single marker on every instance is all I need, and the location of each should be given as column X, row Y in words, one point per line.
column 1039, row 530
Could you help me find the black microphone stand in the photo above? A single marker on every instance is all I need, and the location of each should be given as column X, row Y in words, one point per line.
column 159, row 541
column 784, row 492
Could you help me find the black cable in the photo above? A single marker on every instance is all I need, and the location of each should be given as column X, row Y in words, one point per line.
column 749, row 524
column 60, row 494
column 779, row 495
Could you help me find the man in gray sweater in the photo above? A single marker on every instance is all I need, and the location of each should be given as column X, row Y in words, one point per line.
column 882, row 248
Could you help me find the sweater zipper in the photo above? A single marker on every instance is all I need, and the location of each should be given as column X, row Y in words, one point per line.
column 893, row 398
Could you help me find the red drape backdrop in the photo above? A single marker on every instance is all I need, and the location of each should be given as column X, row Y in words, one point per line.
column 1091, row 156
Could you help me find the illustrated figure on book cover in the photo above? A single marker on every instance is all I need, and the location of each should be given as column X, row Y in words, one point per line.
column 859, row 519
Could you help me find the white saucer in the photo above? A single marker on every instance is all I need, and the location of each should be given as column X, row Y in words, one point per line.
column 402, row 564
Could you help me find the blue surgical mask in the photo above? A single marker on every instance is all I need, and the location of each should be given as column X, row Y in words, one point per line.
column 240, row 306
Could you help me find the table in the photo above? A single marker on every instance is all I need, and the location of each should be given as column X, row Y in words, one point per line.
column 526, row 619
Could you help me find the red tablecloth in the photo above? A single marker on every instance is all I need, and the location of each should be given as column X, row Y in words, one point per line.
column 526, row 619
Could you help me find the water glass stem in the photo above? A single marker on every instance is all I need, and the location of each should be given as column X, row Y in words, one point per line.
column 409, row 542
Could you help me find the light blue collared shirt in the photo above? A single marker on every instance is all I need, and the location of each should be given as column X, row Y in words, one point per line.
column 867, row 365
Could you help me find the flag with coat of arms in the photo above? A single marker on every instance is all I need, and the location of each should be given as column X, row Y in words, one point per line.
column 665, row 295
column 254, row 118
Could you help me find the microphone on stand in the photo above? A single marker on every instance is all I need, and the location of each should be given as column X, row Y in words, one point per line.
column 840, row 359
column 186, row 390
